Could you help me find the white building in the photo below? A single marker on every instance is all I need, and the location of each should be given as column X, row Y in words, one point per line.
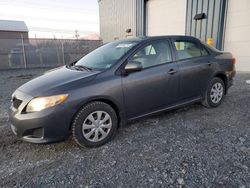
column 225, row 22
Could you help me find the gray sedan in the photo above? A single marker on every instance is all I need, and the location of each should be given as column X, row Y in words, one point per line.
column 116, row 83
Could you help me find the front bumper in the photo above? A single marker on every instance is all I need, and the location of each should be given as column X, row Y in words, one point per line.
column 49, row 125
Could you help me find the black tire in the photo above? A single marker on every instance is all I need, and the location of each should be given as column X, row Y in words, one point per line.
column 208, row 102
column 81, row 117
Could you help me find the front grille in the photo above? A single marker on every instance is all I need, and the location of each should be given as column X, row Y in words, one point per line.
column 16, row 102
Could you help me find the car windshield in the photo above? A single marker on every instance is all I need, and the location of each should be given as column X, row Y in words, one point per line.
column 105, row 56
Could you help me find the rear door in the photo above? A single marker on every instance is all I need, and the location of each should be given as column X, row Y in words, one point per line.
column 195, row 68
column 156, row 86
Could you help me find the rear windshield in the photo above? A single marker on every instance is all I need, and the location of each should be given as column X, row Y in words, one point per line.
column 211, row 47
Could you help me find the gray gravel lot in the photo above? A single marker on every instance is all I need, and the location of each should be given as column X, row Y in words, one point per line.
column 190, row 147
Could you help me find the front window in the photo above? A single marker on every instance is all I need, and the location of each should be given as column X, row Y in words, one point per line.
column 154, row 54
column 106, row 56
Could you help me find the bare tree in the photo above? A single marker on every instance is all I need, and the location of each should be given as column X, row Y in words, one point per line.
column 77, row 34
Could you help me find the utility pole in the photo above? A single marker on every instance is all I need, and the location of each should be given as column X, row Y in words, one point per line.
column 63, row 51
column 24, row 56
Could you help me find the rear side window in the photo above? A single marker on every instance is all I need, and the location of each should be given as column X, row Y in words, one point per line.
column 188, row 49
column 204, row 52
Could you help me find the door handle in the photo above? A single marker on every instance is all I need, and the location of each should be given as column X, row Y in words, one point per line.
column 209, row 63
column 172, row 71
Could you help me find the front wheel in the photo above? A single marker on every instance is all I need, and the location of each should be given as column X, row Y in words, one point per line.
column 94, row 125
column 214, row 93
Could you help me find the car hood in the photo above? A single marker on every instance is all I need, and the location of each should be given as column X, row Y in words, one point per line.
column 57, row 81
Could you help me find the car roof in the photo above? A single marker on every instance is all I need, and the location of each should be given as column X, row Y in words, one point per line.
column 148, row 38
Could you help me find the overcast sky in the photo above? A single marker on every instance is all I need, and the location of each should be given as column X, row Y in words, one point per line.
column 46, row 18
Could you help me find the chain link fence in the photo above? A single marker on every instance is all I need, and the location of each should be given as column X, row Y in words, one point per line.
column 31, row 53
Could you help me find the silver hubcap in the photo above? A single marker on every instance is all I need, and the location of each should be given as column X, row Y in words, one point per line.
column 96, row 126
column 216, row 93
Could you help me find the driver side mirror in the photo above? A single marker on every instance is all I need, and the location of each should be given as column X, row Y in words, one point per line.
column 133, row 66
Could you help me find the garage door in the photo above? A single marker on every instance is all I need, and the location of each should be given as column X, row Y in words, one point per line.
column 237, row 35
column 166, row 17
column 212, row 25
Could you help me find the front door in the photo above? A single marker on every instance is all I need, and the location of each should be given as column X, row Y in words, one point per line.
column 156, row 86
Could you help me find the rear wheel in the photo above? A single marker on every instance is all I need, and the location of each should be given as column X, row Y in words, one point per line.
column 94, row 125
column 214, row 93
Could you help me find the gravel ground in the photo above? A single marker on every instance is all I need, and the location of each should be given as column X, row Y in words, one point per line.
column 190, row 147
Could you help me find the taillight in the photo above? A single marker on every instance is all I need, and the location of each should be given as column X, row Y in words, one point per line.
column 233, row 61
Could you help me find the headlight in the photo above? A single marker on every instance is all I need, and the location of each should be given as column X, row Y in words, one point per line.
column 41, row 103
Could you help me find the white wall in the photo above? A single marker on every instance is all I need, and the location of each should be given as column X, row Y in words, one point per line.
column 115, row 17
column 166, row 17
column 237, row 33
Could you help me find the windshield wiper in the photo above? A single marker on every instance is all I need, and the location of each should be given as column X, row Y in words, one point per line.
column 82, row 67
